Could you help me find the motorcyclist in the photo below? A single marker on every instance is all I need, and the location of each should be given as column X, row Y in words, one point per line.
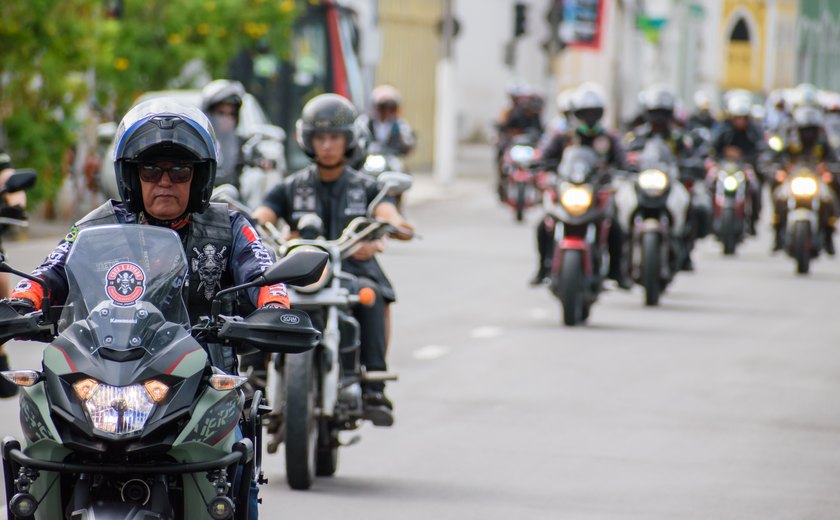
column 739, row 139
column 165, row 162
column 658, row 104
column 809, row 143
column 587, row 106
column 221, row 101
column 522, row 117
column 702, row 117
column 386, row 125
column 338, row 194
column 777, row 116
column 13, row 206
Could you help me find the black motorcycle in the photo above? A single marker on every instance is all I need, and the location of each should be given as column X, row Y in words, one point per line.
column 127, row 418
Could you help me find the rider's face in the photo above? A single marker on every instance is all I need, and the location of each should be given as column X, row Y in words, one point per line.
column 328, row 147
column 164, row 199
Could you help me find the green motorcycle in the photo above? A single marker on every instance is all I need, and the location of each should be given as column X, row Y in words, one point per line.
column 127, row 418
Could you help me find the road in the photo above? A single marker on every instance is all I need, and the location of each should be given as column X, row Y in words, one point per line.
column 719, row 404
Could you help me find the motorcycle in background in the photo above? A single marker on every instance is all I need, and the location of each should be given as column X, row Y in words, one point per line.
column 732, row 211
column 319, row 394
column 381, row 159
column 582, row 211
column 805, row 202
column 652, row 208
column 521, row 175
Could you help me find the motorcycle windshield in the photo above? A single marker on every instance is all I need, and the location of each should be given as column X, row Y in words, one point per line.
column 127, row 281
column 578, row 164
column 656, row 155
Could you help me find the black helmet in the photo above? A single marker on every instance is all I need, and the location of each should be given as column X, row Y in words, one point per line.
column 159, row 130
column 327, row 113
column 222, row 91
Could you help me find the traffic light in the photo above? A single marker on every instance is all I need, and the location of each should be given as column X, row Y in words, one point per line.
column 519, row 11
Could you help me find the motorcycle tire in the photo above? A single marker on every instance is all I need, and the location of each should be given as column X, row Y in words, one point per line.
column 651, row 270
column 326, row 458
column 801, row 246
column 727, row 231
column 571, row 295
column 520, row 202
column 301, row 438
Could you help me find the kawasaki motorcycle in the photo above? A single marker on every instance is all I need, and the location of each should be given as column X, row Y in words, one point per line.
column 582, row 217
column 319, row 394
column 127, row 419
column 652, row 211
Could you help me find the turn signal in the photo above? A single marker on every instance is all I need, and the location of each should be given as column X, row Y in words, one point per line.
column 226, row 382
column 157, row 391
column 367, row 296
column 22, row 377
column 85, row 388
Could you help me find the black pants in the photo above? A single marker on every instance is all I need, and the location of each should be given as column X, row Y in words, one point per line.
column 372, row 327
column 545, row 248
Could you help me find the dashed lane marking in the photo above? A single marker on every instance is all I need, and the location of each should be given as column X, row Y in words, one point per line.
column 488, row 332
column 430, row 352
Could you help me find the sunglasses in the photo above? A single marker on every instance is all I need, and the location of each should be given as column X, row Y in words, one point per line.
column 178, row 173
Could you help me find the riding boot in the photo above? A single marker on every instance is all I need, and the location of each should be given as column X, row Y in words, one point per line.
column 545, row 249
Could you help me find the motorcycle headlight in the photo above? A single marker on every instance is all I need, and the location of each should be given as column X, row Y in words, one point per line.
column 730, row 183
column 775, row 143
column 521, row 153
column 375, row 163
column 118, row 410
column 654, row 181
column 576, row 200
column 803, row 186
column 325, row 276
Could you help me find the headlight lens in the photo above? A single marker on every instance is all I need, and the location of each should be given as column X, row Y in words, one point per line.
column 730, row 183
column 576, row 200
column 375, row 163
column 803, row 186
column 775, row 143
column 325, row 276
column 521, row 153
column 654, row 181
column 118, row 409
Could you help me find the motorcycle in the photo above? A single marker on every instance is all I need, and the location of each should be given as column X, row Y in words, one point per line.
column 731, row 184
column 265, row 162
column 14, row 216
column 521, row 177
column 127, row 418
column 582, row 215
column 382, row 159
column 319, row 393
column 805, row 202
column 652, row 210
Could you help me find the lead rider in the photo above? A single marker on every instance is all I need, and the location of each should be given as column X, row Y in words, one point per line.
column 165, row 162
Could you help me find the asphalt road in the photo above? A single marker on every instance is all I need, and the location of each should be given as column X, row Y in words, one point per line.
column 720, row 404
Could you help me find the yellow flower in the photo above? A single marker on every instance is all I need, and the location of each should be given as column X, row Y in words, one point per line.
column 175, row 39
column 210, row 6
column 121, row 64
column 287, row 6
column 203, row 29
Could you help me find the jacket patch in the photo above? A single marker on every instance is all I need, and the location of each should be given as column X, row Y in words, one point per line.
column 210, row 264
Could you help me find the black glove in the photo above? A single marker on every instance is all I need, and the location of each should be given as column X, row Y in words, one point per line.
column 15, row 212
column 20, row 305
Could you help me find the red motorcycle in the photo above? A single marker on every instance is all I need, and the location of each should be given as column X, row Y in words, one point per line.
column 522, row 178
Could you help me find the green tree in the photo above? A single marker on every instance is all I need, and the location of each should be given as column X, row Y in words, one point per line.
column 59, row 54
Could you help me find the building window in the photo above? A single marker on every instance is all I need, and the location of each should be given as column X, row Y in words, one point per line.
column 740, row 33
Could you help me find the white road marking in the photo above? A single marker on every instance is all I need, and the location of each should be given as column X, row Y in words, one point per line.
column 430, row 352
column 488, row 332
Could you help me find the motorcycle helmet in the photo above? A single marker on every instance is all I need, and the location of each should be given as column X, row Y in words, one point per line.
column 222, row 91
column 806, row 94
column 738, row 104
column 588, row 105
column 327, row 113
column 164, row 130
column 658, row 104
column 564, row 101
column 386, row 95
column 807, row 117
column 702, row 101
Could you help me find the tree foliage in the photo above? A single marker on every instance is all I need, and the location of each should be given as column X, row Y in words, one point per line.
column 58, row 55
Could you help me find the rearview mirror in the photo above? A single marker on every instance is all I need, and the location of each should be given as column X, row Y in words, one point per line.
column 395, row 182
column 20, row 180
column 303, row 268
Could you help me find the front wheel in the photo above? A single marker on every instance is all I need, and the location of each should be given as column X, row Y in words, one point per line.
column 520, row 202
column 301, row 439
column 651, row 270
column 801, row 246
column 727, row 231
column 571, row 295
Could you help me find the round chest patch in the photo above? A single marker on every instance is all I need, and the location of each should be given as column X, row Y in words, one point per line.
column 125, row 283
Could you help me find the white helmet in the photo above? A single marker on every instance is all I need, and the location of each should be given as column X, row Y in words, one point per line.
column 738, row 104
column 386, row 94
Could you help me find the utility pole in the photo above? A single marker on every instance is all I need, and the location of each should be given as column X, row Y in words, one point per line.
column 445, row 116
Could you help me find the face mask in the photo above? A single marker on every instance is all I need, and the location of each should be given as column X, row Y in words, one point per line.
column 223, row 123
